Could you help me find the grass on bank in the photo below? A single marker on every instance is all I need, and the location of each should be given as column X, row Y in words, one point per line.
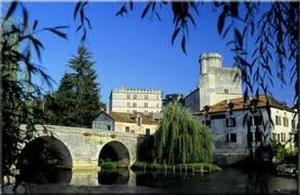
column 190, row 167
column 109, row 165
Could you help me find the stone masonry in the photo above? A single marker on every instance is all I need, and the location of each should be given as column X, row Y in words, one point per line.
column 85, row 144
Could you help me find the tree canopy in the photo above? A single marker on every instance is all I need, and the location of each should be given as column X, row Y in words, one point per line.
column 181, row 138
column 77, row 100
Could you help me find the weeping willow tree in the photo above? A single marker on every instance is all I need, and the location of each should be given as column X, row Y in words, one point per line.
column 181, row 138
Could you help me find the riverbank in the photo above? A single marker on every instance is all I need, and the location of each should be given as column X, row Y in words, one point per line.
column 190, row 167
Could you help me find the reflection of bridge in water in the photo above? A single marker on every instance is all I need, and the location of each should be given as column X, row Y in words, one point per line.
column 120, row 176
column 76, row 148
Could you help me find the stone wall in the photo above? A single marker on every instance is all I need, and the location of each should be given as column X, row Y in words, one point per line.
column 217, row 83
column 85, row 144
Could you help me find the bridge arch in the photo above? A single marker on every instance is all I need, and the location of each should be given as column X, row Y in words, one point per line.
column 42, row 157
column 114, row 151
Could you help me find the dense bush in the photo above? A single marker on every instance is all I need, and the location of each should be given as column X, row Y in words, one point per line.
column 279, row 151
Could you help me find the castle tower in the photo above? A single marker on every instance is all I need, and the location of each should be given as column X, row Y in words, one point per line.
column 217, row 83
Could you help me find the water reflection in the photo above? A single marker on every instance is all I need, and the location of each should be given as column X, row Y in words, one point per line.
column 46, row 175
column 229, row 180
column 119, row 176
column 164, row 178
column 256, row 182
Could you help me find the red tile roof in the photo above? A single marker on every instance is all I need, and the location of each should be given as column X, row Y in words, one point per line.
column 239, row 104
column 131, row 118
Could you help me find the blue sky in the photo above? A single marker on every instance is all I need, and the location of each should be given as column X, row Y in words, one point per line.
column 134, row 52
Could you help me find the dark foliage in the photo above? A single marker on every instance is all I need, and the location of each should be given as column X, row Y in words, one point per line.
column 77, row 101
column 19, row 95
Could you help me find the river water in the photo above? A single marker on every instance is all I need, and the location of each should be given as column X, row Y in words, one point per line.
column 229, row 180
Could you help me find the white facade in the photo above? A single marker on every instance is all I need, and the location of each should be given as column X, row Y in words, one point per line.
column 135, row 100
column 284, row 124
column 231, row 141
column 217, row 83
column 217, row 87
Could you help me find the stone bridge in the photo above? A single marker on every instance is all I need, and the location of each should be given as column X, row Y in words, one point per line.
column 84, row 147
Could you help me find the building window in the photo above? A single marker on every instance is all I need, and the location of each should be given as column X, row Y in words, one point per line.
column 231, row 137
column 128, row 96
column 108, row 127
column 139, row 121
column 250, row 137
column 283, row 137
column 127, row 129
column 274, row 136
column 147, row 131
column 258, row 136
column 285, row 122
column 134, row 97
column 146, row 105
column 278, row 120
column 230, row 122
column 128, row 104
column 257, row 119
column 134, row 105
column 206, row 122
column 146, row 97
column 132, row 131
column 226, row 90
column 293, row 124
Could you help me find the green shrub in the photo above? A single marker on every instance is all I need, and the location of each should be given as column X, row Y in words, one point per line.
column 108, row 166
column 279, row 151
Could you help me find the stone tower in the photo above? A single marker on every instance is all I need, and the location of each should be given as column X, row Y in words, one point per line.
column 217, row 83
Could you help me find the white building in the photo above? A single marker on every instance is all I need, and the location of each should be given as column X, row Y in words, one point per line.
column 136, row 123
column 216, row 83
column 236, row 128
column 219, row 103
column 135, row 100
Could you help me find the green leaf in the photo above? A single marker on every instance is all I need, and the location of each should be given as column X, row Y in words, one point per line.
column 146, row 9
column 59, row 33
column 183, row 44
column 35, row 24
column 175, row 33
column 221, row 22
column 78, row 5
column 238, row 38
column 121, row 11
column 11, row 9
column 25, row 17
